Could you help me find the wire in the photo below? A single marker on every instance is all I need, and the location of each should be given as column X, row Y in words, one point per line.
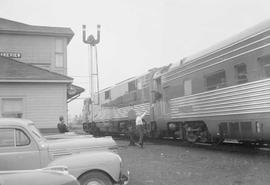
column 80, row 76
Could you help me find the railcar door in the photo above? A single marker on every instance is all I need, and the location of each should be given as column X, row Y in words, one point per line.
column 159, row 105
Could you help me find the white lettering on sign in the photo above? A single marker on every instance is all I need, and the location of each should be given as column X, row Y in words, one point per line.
column 10, row 54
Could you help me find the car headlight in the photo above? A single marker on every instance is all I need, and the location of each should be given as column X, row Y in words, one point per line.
column 114, row 149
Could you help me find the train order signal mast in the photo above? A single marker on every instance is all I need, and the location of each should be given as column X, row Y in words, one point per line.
column 92, row 42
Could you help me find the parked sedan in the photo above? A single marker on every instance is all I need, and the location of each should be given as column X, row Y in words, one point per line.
column 37, row 177
column 91, row 160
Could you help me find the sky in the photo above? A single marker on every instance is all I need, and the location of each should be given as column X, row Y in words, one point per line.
column 136, row 35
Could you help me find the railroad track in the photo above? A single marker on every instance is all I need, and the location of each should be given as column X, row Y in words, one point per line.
column 225, row 147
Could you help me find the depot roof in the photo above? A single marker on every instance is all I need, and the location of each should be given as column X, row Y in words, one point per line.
column 13, row 27
column 15, row 71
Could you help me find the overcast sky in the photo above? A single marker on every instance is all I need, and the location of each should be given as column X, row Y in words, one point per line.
column 137, row 35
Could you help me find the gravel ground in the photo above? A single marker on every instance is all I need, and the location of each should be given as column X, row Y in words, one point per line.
column 170, row 164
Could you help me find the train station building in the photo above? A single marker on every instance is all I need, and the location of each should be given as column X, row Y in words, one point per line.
column 33, row 73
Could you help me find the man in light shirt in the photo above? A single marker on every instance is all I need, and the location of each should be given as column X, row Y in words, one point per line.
column 139, row 125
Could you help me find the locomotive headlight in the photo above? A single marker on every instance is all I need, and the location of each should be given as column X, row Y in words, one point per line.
column 172, row 126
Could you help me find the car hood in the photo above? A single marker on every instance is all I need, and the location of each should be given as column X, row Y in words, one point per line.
column 67, row 135
column 59, row 147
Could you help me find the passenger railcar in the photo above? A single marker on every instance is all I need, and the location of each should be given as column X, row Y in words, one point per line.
column 223, row 92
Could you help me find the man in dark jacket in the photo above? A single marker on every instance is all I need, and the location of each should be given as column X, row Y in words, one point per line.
column 62, row 127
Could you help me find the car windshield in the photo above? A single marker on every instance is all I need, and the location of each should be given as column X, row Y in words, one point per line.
column 36, row 132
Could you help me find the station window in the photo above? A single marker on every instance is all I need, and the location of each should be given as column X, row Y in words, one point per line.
column 107, row 94
column 187, row 87
column 59, row 60
column 215, row 80
column 132, row 86
column 12, row 107
column 59, row 53
column 265, row 65
column 241, row 73
column 59, row 46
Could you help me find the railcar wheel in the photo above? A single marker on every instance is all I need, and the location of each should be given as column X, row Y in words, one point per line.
column 203, row 137
column 191, row 137
column 95, row 178
column 218, row 140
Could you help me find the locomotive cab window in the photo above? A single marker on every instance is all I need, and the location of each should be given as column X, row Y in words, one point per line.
column 265, row 65
column 241, row 73
column 215, row 80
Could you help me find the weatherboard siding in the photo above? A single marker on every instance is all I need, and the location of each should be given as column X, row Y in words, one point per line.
column 42, row 103
column 37, row 50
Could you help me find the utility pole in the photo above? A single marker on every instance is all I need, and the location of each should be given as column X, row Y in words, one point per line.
column 92, row 42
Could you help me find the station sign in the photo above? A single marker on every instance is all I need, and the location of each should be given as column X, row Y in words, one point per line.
column 10, row 54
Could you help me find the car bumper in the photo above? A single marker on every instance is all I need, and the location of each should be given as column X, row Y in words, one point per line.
column 123, row 179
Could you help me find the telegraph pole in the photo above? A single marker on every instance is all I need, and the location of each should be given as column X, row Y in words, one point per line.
column 92, row 42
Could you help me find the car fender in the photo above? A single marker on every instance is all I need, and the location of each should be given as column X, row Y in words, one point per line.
column 78, row 164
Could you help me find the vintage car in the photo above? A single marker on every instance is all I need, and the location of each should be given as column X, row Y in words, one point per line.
column 90, row 160
column 37, row 177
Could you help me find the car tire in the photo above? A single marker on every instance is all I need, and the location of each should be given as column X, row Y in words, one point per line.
column 95, row 178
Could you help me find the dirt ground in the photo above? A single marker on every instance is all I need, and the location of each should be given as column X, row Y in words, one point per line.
column 172, row 164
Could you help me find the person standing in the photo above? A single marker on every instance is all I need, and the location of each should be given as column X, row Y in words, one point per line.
column 140, row 128
column 62, row 127
column 131, row 132
column 131, row 125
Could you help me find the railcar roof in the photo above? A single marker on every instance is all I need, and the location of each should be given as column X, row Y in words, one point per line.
column 105, row 89
column 126, row 80
column 263, row 26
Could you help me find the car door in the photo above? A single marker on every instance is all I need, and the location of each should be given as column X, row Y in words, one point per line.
column 17, row 150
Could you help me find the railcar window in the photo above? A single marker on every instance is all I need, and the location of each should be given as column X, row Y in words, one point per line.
column 107, row 94
column 241, row 73
column 132, row 86
column 187, row 87
column 215, row 80
column 139, row 83
column 265, row 65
